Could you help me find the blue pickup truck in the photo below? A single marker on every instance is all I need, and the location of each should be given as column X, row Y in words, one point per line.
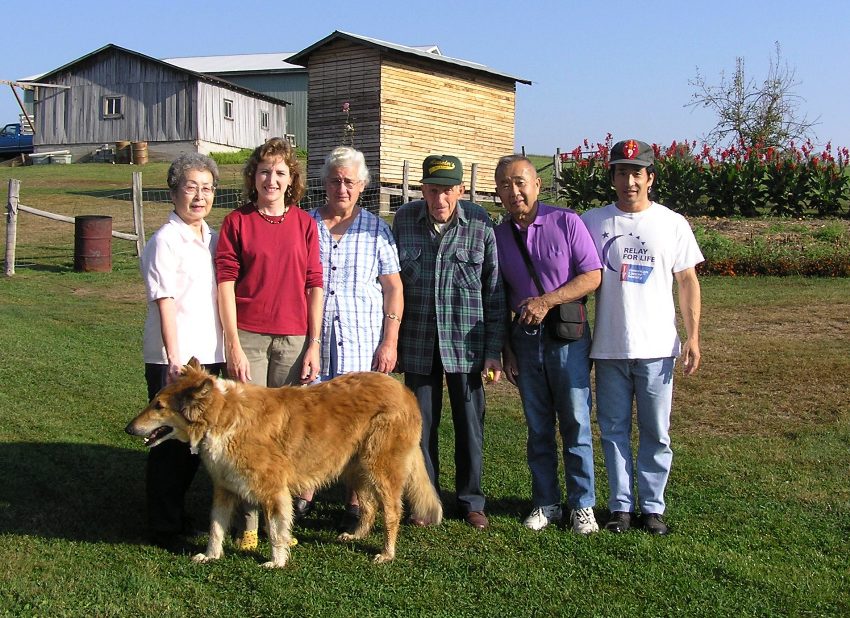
column 13, row 141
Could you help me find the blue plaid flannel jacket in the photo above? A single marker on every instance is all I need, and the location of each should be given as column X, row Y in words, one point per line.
column 452, row 290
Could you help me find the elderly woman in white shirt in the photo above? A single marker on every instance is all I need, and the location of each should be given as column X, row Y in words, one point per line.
column 182, row 322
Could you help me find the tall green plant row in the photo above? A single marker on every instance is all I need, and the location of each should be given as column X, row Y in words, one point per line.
column 733, row 181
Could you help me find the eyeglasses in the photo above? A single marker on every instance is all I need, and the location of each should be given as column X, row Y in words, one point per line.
column 349, row 184
column 191, row 188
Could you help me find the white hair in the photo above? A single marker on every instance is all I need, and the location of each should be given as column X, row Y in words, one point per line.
column 345, row 156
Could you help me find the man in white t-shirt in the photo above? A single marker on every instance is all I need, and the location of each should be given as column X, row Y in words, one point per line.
column 644, row 247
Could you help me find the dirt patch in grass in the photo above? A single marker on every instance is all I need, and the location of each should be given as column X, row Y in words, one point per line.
column 767, row 369
column 771, row 229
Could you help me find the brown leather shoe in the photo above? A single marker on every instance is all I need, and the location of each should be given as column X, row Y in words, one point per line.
column 477, row 519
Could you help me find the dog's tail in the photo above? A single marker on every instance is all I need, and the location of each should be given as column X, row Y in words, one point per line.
column 421, row 495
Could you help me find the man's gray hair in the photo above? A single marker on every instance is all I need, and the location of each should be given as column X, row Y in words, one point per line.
column 508, row 160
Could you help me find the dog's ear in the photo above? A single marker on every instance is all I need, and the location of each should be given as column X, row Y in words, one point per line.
column 193, row 401
column 193, row 363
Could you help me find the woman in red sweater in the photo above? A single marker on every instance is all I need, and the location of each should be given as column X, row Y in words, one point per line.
column 270, row 279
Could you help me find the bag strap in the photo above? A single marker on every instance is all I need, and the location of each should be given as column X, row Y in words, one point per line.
column 523, row 250
column 526, row 257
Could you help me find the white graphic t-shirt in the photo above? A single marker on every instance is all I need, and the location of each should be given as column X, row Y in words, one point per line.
column 640, row 252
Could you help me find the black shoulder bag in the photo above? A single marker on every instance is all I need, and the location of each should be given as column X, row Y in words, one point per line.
column 566, row 321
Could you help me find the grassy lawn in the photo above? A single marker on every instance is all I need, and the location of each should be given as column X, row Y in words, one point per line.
column 759, row 499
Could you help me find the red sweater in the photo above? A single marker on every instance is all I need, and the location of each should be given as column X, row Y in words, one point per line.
column 272, row 265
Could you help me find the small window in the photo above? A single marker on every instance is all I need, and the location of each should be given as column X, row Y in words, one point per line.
column 264, row 120
column 228, row 109
column 113, row 107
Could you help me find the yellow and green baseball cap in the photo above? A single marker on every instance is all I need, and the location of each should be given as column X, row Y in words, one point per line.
column 442, row 170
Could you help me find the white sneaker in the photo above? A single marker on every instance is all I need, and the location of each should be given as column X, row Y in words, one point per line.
column 583, row 521
column 542, row 516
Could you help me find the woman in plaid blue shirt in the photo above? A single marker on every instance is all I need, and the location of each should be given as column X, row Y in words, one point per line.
column 363, row 300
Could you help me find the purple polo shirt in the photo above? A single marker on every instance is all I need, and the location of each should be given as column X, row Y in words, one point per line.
column 560, row 247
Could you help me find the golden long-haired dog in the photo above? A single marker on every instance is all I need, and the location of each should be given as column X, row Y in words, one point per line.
column 264, row 444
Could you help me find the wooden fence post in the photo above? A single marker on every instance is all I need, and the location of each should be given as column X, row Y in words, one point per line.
column 405, row 180
column 12, row 224
column 473, row 180
column 138, row 216
column 556, row 171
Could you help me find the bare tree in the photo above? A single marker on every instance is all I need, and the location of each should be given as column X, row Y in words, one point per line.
column 750, row 112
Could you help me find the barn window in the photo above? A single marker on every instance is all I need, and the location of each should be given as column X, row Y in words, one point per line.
column 228, row 109
column 113, row 107
column 264, row 120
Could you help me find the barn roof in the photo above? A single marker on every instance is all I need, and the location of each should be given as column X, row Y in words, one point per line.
column 196, row 75
column 430, row 53
column 238, row 63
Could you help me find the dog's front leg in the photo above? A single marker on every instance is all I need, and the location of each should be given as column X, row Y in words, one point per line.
column 279, row 518
column 223, row 504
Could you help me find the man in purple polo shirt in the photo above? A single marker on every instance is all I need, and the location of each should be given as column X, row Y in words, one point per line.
column 553, row 375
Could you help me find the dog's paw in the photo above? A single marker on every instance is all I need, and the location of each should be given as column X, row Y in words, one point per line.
column 383, row 558
column 202, row 558
column 346, row 537
column 271, row 564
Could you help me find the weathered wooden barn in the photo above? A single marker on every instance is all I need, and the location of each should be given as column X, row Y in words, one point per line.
column 115, row 94
column 406, row 103
column 270, row 74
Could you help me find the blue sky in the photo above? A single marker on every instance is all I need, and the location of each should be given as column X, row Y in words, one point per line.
column 597, row 67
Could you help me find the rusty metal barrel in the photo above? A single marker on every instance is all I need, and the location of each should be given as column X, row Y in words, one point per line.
column 139, row 152
column 122, row 151
column 93, row 243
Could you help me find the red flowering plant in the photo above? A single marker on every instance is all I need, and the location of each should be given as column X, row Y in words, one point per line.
column 583, row 175
column 735, row 180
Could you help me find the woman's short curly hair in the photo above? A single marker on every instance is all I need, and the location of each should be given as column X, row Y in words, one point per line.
column 345, row 156
column 274, row 149
column 186, row 162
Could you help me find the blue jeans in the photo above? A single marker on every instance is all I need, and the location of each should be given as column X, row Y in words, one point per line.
column 554, row 384
column 649, row 382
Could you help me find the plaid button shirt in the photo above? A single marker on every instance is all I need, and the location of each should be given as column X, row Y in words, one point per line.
column 452, row 290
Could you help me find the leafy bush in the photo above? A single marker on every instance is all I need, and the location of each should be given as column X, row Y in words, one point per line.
column 789, row 182
column 757, row 255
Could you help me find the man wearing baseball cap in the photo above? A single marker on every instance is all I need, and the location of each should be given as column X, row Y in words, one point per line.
column 644, row 247
column 453, row 320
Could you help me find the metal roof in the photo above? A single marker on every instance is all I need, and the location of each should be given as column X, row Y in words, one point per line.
column 420, row 52
column 200, row 76
column 237, row 63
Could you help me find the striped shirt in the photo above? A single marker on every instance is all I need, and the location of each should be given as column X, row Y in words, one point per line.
column 452, row 290
column 354, row 299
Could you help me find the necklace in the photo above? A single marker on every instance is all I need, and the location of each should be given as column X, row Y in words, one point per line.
column 270, row 219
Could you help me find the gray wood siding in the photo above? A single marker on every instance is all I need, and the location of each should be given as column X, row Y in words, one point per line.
column 243, row 131
column 289, row 87
column 159, row 104
column 343, row 72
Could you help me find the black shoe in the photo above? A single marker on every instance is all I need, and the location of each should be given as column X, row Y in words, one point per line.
column 653, row 524
column 350, row 519
column 301, row 508
column 620, row 522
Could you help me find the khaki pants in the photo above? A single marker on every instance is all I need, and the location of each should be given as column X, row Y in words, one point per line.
column 275, row 360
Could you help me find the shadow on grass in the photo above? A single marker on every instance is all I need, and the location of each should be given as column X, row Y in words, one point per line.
column 81, row 492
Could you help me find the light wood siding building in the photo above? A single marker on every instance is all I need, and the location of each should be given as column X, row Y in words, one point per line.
column 406, row 104
column 115, row 94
